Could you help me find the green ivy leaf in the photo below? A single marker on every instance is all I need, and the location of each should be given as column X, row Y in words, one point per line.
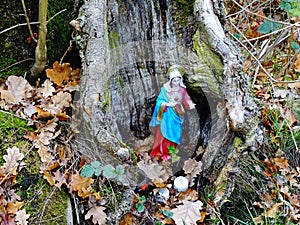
column 295, row 45
column 167, row 213
column 267, row 27
column 97, row 168
column 286, row 6
column 142, row 199
column 140, row 207
column 120, row 169
column 87, row 171
column 109, row 172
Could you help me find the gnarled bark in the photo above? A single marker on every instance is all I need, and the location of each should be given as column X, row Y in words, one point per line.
column 228, row 115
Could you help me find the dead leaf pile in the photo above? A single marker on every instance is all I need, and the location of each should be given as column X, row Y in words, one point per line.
column 283, row 199
column 10, row 202
column 45, row 107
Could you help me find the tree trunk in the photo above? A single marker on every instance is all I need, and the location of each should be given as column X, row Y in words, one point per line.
column 129, row 47
column 41, row 48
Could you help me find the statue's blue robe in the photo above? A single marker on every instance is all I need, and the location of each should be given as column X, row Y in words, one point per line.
column 170, row 123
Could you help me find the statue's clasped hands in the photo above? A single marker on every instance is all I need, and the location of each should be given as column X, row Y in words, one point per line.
column 171, row 104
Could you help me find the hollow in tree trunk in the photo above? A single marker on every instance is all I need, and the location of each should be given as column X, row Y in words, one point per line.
column 128, row 49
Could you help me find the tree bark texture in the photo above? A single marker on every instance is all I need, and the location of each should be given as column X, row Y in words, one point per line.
column 216, row 74
column 41, row 48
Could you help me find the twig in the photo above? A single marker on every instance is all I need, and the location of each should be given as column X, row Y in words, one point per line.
column 256, row 59
column 56, row 15
column 261, row 16
column 272, row 80
column 18, row 25
column 217, row 213
column 16, row 63
column 32, row 23
column 64, row 55
column 27, row 21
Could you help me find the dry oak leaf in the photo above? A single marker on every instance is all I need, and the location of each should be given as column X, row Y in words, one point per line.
column 98, row 214
column 271, row 213
column 60, row 73
column 188, row 195
column 189, row 165
column 155, row 172
column 297, row 64
column 188, row 213
column 81, row 184
column 13, row 207
column 47, row 89
column 62, row 99
column 192, row 168
column 21, row 217
column 44, row 152
column 12, row 159
column 18, row 88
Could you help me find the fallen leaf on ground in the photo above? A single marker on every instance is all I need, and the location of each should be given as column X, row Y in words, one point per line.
column 12, row 159
column 60, row 73
column 21, row 217
column 81, row 184
column 155, row 172
column 98, row 214
column 188, row 213
column 47, row 89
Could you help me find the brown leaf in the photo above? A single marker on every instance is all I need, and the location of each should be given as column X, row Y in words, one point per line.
column 81, row 184
column 290, row 116
column 297, row 64
column 47, row 89
column 21, row 217
column 48, row 177
column 44, row 152
column 42, row 113
column 61, row 100
column 188, row 213
column 189, row 165
column 13, row 207
column 59, row 179
column 18, row 89
column 12, row 159
column 188, row 195
column 155, row 172
column 60, row 73
column 98, row 214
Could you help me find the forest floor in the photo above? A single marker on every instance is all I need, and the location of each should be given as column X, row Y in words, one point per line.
column 41, row 173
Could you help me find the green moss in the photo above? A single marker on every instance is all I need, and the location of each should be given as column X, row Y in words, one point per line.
column 14, row 70
column 183, row 9
column 113, row 38
column 43, row 202
column 12, row 130
column 33, row 189
column 238, row 144
column 210, row 58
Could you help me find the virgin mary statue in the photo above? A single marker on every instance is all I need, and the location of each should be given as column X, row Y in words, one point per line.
column 168, row 115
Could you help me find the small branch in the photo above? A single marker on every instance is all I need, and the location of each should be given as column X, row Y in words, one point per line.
column 272, row 80
column 56, row 15
column 64, row 55
column 18, row 25
column 258, row 15
column 28, row 22
column 16, row 63
column 32, row 23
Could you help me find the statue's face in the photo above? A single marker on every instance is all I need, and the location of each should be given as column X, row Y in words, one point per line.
column 176, row 81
